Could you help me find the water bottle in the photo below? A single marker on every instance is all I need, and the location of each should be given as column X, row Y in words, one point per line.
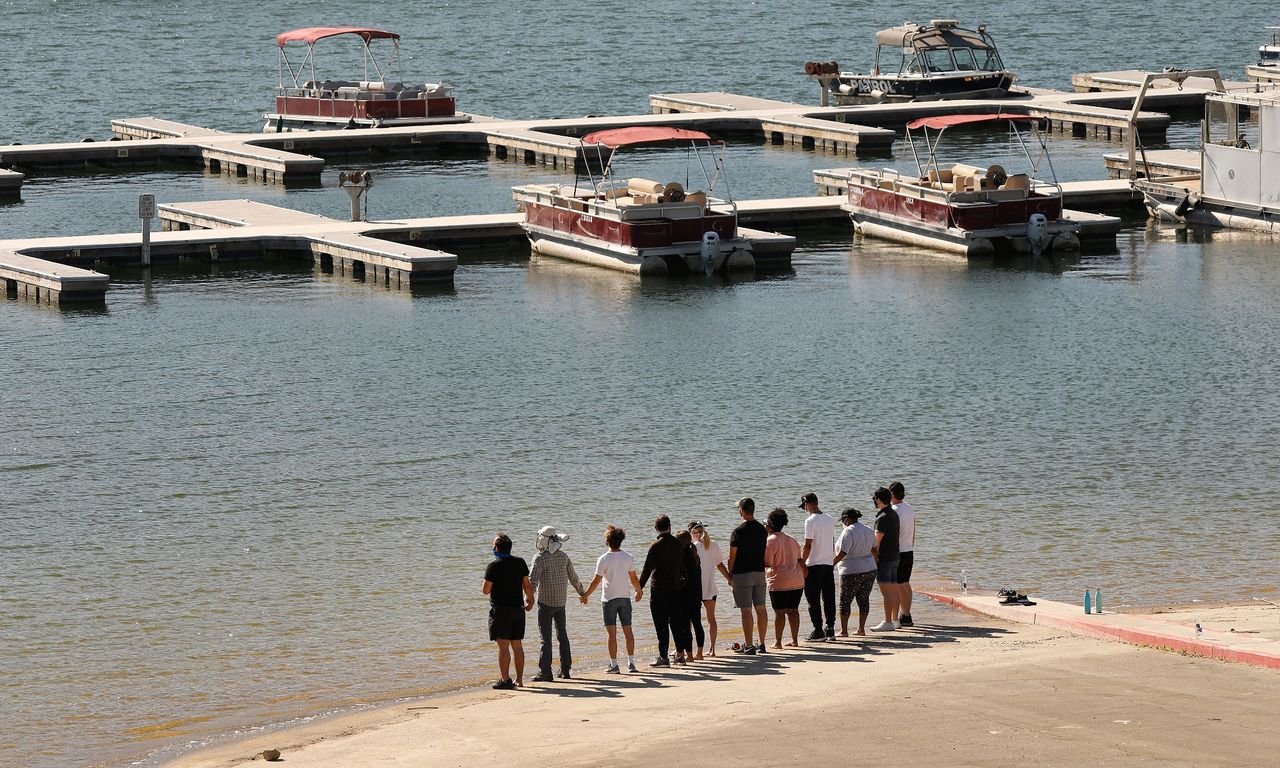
column 964, row 582
column 1097, row 601
column 1199, row 630
column 1088, row 602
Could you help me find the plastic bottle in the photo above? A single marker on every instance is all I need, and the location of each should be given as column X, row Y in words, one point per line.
column 1199, row 629
column 964, row 582
column 1088, row 601
column 1097, row 601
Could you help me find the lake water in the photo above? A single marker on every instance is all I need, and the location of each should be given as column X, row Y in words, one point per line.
column 247, row 494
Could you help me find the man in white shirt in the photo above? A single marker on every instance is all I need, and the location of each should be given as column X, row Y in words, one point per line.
column 907, row 545
column 818, row 553
column 617, row 571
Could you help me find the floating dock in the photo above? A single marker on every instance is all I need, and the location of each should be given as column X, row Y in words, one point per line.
column 854, row 130
column 1153, row 163
column 10, row 184
column 47, row 282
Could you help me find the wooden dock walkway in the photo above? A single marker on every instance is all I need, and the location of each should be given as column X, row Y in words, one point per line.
column 1160, row 162
column 855, row 130
column 47, row 282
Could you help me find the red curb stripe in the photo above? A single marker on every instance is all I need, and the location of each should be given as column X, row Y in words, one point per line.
column 1129, row 635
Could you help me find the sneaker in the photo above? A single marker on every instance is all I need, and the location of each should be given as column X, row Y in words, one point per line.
column 504, row 685
column 564, row 674
column 905, row 620
column 831, row 633
column 817, row 634
column 760, row 648
column 631, row 666
column 680, row 662
column 740, row 648
column 750, row 650
column 543, row 677
column 884, row 626
column 612, row 669
column 660, row 662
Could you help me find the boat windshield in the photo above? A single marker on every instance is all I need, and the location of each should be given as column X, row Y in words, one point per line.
column 951, row 60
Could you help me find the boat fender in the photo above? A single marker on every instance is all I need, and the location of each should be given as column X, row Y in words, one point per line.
column 1183, row 206
column 653, row 265
column 710, row 251
column 1066, row 241
column 740, row 259
column 1038, row 232
column 846, row 89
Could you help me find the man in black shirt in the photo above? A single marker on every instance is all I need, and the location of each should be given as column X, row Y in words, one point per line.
column 746, row 572
column 504, row 579
column 886, row 552
column 666, row 564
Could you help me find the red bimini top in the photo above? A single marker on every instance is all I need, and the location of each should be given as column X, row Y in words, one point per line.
column 642, row 134
column 946, row 121
column 310, row 35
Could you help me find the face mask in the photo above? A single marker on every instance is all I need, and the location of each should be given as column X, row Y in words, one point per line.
column 496, row 553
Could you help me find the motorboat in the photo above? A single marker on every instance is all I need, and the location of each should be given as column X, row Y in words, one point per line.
column 637, row 224
column 1239, row 181
column 966, row 209
column 304, row 101
column 920, row 62
column 1267, row 70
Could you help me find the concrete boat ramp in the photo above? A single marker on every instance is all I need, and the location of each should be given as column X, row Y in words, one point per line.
column 855, row 130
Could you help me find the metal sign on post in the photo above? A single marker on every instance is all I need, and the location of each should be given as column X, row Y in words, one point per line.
column 146, row 212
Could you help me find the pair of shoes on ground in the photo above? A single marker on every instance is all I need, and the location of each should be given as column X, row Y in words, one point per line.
column 1011, row 597
column 819, row 635
column 749, row 650
column 613, row 669
column 545, row 677
column 884, row 626
column 505, row 685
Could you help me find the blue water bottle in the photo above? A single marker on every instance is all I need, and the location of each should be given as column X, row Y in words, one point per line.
column 1088, row 601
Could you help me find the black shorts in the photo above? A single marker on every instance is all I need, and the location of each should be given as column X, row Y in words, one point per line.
column 506, row 622
column 905, row 561
column 785, row 600
column 887, row 571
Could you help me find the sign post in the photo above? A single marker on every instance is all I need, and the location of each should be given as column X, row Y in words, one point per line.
column 146, row 212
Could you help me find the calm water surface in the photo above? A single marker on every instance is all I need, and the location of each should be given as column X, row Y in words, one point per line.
column 245, row 494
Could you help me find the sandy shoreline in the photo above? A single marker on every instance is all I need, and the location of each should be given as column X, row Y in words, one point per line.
column 959, row 690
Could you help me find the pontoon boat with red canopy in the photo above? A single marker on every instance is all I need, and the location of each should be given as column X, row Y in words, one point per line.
column 305, row 102
column 637, row 224
column 963, row 208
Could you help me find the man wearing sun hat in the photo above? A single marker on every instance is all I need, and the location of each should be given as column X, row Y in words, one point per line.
column 551, row 576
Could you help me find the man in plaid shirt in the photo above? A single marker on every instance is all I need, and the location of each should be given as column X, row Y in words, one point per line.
column 552, row 573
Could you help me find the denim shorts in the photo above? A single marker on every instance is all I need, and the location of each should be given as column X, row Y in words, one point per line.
column 887, row 571
column 617, row 611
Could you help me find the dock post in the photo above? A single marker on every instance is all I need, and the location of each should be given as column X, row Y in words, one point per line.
column 146, row 212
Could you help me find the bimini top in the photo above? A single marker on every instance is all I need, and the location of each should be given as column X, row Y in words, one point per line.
column 938, row 35
column 310, row 35
column 946, row 121
column 642, row 134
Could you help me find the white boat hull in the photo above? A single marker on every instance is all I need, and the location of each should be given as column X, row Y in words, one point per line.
column 734, row 254
column 276, row 122
column 1210, row 213
column 973, row 243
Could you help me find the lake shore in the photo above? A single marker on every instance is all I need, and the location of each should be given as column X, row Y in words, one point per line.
column 959, row 689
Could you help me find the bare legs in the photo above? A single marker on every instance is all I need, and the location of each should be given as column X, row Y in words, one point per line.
column 746, row 626
column 507, row 649
column 710, row 606
column 889, row 594
column 904, row 598
column 762, row 621
column 787, row 616
column 612, row 629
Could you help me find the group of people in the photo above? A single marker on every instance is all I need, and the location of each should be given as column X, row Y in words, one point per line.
column 680, row 570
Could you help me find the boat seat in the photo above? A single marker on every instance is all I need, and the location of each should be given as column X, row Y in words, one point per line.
column 639, row 186
column 1004, row 195
column 1017, row 181
column 697, row 197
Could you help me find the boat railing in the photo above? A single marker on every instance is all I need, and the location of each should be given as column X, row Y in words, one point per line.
column 949, row 186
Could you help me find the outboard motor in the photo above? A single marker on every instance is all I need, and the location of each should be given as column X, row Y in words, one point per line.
column 710, row 252
column 1038, row 233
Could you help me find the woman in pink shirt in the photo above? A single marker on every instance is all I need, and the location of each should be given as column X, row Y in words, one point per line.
column 784, row 571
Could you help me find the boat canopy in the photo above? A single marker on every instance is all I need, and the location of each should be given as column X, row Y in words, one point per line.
column 310, row 35
column 939, row 122
column 642, row 134
column 917, row 37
